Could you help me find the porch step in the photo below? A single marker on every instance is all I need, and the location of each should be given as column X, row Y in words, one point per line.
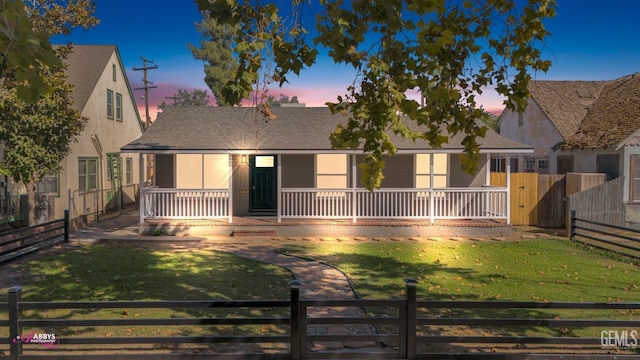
column 257, row 231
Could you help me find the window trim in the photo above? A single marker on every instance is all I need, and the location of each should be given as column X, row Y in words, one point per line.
column 540, row 168
column 530, row 164
column 128, row 169
column 87, row 175
column 634, row 163
column 110, row 104
column 565, row 157
column 426, row 173
column 118, row 107
column 55, row 174
column 338, row 173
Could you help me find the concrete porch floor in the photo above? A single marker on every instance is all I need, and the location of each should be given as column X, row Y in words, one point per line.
column 269, row 226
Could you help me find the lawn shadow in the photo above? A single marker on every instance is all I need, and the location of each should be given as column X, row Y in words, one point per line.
column 127, row 272
column 381, row 277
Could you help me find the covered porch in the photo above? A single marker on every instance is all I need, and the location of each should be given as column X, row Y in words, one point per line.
column 287, row 187
column 220, row 164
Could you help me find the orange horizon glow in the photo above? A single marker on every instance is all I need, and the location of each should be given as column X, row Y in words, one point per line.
column 310, row 96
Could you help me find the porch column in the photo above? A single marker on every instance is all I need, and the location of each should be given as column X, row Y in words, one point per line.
column 279, row 189
column 141, row 172
column 230, row 205
column 487, row 183
column 487, row 172
column 354, row 182
column 508, row 166
column 432, row 193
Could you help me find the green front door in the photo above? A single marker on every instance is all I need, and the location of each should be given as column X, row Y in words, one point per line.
column 263, row 182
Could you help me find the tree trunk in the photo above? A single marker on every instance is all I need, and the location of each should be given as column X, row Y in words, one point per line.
column 31, row 200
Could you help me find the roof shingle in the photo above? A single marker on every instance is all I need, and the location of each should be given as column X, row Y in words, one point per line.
column 221, row 129
column 613, row 118
column 566, row 102
column 85, row 66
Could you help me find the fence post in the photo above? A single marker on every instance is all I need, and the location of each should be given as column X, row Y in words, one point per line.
column 296, row 348
column 572, row 224
column 15, row 330
column 66, row 225
column 411, row 319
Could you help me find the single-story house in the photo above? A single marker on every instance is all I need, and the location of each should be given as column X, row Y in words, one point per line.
column 221, row 162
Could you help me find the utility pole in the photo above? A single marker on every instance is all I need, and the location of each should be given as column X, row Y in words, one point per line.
column 145, row 68
column 146, row 87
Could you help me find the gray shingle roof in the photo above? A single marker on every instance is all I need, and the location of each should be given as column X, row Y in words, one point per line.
column 566, row 103
column 85, row 65
column 221, row 129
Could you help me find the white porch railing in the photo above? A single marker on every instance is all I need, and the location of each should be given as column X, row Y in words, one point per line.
column 453, row 203
column 162, row 203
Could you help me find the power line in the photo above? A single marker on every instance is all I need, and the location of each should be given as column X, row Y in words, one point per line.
column 146, row 86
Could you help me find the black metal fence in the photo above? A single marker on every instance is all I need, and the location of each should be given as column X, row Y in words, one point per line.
column 404, row 329
column 619, row 239
column 18, row 242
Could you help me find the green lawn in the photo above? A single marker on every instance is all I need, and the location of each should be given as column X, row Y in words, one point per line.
column 127, row 272
column 110, row 272
column 541, row 270
column 528, row 270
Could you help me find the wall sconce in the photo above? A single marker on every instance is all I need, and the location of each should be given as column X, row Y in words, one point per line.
column 244, row 159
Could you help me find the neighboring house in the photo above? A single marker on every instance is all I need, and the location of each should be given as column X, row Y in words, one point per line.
column 220, row 162
column 585, row 127
column 554, row 112
column 102, row 94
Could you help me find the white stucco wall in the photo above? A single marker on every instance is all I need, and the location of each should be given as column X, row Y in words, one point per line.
column 536, row 130
column 111, row 133
column 585, row 161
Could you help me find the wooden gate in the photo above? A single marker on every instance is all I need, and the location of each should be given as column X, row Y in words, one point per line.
column 524, row 196
column 551, row 201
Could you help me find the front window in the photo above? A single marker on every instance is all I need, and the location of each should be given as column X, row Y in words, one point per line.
column 129, row 170
column 635, row 180
column 87, row 174
column 331, row 171
column 565, row 164
column 543, row 165
column 48, row 184
column 608, row 164
column 423, row 170
column 109, row 104
column 530, row 164
column 118, row 106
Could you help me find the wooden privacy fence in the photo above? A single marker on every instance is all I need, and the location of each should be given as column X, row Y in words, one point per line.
column 405, row 329
column 23, row 241
column 603, row 203
column 619, row 239
column 536, row 199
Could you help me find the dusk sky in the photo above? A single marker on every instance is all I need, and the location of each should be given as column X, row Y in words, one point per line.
column 591, row 40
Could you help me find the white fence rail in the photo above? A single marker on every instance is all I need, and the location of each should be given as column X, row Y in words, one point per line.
column 454, row 203
column 162, row 203
column 468, row 203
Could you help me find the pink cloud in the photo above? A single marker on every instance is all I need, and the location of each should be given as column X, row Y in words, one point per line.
column 311, row 96
column 162, row 92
